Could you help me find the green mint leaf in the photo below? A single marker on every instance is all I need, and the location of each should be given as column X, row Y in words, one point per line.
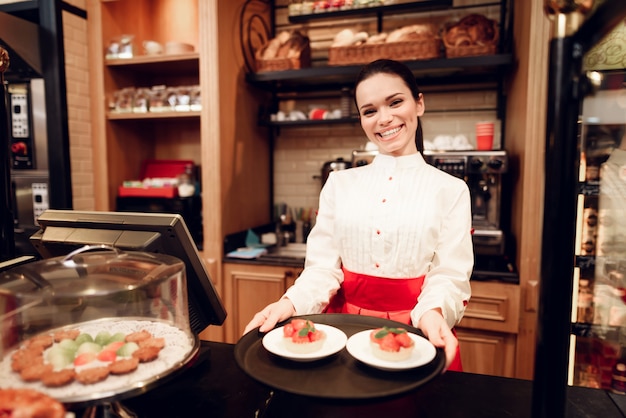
column 381, row 333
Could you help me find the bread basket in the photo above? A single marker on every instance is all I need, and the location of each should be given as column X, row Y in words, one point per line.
column 299, row 57
column 426, row 48
column 461, row 40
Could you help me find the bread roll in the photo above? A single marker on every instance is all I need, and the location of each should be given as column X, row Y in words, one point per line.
column 377, row 39
column 359, row 38
column 411, row 32
column 343, row 38
column 272, row 49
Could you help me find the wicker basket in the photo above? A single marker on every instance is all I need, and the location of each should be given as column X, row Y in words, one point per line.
column 487, row 48
column 302, row 60
column 427, row 48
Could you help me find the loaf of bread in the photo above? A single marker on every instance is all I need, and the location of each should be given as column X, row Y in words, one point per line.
column 473, row 29
column 343, row 38
column 347, row 37
column 417, row 32
column 379, row 38
column 412, row 32
column 285, row 45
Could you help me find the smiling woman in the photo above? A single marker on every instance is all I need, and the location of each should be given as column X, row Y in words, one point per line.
column 392, row 238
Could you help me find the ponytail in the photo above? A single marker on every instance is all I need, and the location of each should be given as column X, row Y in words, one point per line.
column 419, row 136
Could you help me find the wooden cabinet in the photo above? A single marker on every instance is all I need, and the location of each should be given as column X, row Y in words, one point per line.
column 127, row 139
column 488, row 332
column 248, row 288
column 222, row 138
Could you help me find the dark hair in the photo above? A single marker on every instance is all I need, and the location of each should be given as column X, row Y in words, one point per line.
column 398, row 69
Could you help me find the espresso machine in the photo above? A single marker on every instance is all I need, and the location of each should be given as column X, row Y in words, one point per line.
column 482, row 171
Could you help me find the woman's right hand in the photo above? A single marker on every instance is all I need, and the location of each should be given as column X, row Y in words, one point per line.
column 271, row 315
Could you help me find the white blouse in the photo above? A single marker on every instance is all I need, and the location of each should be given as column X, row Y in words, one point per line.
column 397, row 217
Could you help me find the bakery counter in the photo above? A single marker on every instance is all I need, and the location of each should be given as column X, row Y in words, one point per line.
column 215, row 386
column 486, row 268
column 492, row 269
column 296, row 262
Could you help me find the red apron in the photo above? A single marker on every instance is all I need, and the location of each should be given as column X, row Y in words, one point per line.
column 382, row 298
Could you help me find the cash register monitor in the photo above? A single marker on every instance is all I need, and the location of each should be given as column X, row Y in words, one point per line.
column 63, row 231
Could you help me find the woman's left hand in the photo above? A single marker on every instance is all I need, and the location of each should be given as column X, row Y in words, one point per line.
column 439, row 334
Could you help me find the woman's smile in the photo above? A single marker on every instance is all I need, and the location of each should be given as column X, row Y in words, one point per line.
column 390, row 133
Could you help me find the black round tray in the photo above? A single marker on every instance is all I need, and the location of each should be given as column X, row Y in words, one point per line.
column 339, row 376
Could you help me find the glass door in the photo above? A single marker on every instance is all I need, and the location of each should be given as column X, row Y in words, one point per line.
column 599, row 292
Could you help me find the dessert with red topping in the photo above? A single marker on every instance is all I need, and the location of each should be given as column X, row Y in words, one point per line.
column 29, row 403
column 301, row 336
column 391, row 344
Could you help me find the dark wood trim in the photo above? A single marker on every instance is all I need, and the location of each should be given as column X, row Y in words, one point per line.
column 66, row 7
column 53, row 69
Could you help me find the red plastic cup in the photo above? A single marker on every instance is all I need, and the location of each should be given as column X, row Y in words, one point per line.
column 484, row 135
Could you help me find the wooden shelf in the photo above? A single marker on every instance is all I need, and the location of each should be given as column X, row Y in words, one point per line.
column 310, row 122
column 429, row 72
column 416, row 6
column 152, row 115
column 178, row 63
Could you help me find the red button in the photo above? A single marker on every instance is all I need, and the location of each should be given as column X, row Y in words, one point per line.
column 384, row 200
column 377, row 265
column 378, row 232
column 390, row 178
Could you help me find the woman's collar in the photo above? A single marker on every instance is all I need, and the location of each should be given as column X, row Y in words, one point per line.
column 405, row 161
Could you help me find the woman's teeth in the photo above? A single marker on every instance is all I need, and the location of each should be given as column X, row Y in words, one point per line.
column 389, row 132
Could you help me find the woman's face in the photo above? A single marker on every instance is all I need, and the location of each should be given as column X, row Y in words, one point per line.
column 389, row 113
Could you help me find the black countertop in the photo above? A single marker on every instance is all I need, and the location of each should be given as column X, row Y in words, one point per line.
column 215, row 386
column 486, row 267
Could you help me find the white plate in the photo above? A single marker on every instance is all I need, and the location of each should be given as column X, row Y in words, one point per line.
column 359, row 347
column 335, row 342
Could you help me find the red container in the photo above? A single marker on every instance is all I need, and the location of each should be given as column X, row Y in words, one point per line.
column 484, row 135
column 157, row 169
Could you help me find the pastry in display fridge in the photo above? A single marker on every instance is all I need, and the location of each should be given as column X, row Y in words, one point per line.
column 599, row 301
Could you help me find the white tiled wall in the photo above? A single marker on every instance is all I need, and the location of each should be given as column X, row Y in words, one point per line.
column 300, row 153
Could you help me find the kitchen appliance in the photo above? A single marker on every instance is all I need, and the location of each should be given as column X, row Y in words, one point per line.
column 33, row 37
column 334, row 165
column 7, row 240
column 598, row 297
column 28, row 158
column 483, row 172
column 574, row 346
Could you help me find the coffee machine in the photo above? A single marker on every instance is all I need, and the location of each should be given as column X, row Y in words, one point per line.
column 28, row 141
column 483, row 172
